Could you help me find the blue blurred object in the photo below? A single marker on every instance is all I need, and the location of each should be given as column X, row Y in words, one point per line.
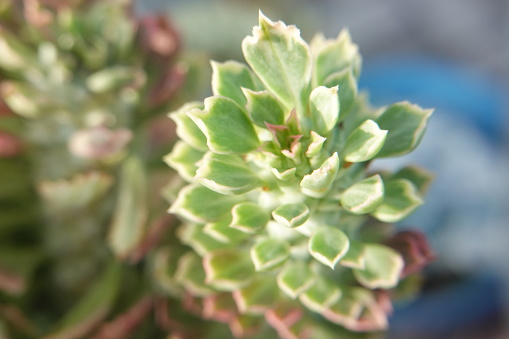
column 465, row 215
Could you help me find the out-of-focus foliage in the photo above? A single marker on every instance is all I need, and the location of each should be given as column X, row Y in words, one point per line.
column 84, row 87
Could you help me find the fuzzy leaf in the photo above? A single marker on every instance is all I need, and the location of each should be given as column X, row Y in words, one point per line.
column 324, row 105
column 131, row 213
column 291, row 215
column 191, row 275
column 406, row 124
column 347, row 89
column 383, row 267
column 249, row 217
column 401, row 199
column 228, row 270
column 354, row 258
column 183, row 159
column 269, row 253
column 295, row 278
column 230, row 77
column 335, row 55
column 226, row 174
column 281, row 59
column 263, row 107
column 364, row 196
column 418, row 176
column 364, row 142
column 317, row 183
column 256, row 297
column 320, row 295
column 328, row 245
column 187, row 129
column 226, row 125
column 200, row 204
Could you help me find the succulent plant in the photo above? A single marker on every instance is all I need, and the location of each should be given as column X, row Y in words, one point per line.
column 284, row 220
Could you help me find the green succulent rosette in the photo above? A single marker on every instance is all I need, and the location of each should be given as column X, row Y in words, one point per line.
column 283, row 216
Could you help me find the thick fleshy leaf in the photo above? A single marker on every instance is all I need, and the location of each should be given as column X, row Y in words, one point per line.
column 364, row 142
column 257, row 297
column 315, row 146
column 226, row 174
column 347, row 88
column 92, row 308
column 401, row 199
column 187, row 129
column 324, row 105
column 263, row 107
column 111, row 78
column 320, row 295
column 418, row 176
column 364, row 196
column 202, row 243
column 228, row 79
column 286, row 175
column 269, row 253
column 406, row 124
column 130, row 218
column 191, row 275
column 328, row 245
column 383, row 267
column 295, row 278
column 226, row 125
column 183, row 159
column 317, row 183
column 334, row 55
column 282, row 60
column 228, row 270
column 198, row 203
column 354, row 258
column 221, row 231
column 249, row 217
column 291, row 215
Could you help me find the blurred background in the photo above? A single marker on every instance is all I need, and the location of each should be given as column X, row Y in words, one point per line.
column 452, row 55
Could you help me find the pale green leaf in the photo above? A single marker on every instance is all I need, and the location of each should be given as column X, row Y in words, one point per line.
column 406, row 124
column 230, row 77
column 324, row 106
column 286, row 175
column 291, row 215
column 263, row 107
column 228, row 270
column 226, row 125
column 317, row 184
column 383, row 267
column 364, row 142
column 226, row 174
column 183, row 159
column 364, row 196
column 187, row 129
column 111, row 78
column 200, row 204
column 418, row 176
column 221, row 231
column 296, row 277
column 131, row 212
column 354, row 258
column 401, row 199
column 269, row 253
column 316, row 144
column 191, row 275
column 195, row 236
column 257, row 297
column 282, row 60
column 320, row 295
column 328, row 245
column 249, row 217
column 347, row 89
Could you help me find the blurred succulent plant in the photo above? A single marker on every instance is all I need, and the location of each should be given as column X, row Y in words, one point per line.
column 285, row 220
column 88, row 83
